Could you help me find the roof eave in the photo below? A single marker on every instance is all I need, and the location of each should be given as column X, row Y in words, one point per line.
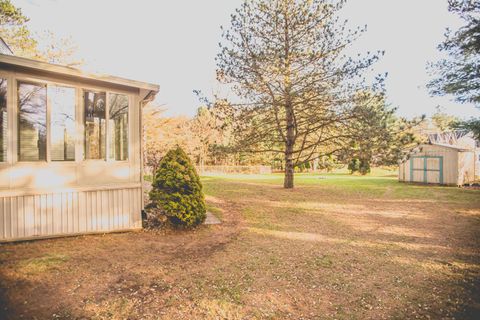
column 147, row 95
column 73, row 72
column 450, row 146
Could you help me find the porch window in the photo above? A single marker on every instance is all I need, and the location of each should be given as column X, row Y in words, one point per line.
column 62, row 123
column 32, row 122
column 3, row 120
column 118, row 126
column 94, row 121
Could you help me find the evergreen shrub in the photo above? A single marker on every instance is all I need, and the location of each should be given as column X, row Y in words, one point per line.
column 177, row 190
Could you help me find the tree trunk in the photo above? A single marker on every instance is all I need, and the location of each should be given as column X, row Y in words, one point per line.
column 288, row 180
column 289, row 144
column 289, row 115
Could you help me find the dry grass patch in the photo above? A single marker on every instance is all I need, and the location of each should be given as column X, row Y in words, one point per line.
column 336, row 247
column 41, row 264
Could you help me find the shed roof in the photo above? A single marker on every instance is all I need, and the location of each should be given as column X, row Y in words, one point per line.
column 449, row 146
column 437, row 145
column 19, row 62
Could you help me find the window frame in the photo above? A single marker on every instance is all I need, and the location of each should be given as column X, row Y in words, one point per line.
column 17, row 120
column 41, row 81
column 82, row 120
column 49, row 124
column 129, row 99
column 108, row 91
column 12, row 113
column 11, row 102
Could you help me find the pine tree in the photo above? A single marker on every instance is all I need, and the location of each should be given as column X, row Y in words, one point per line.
column 459, row 75
column 379, row 136
column 286, row 60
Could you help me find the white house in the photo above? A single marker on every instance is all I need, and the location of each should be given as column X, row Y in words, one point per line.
column 70, row 150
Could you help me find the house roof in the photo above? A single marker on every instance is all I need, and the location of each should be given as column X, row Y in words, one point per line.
column 450, row 137
column 148, row 89
column 4, row 48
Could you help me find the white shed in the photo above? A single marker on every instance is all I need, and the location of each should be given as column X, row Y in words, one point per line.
column 449, row 159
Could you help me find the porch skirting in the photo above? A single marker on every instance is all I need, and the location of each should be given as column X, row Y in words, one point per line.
column 35, row 214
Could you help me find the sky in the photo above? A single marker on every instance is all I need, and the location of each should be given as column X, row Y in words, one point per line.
column 174, row 44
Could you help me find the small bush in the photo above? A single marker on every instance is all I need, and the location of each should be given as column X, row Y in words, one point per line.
column 353, row 165
column 364, row 167
column 177, row 190
column 360, row 166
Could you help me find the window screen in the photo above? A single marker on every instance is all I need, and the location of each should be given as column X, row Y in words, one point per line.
column 32, row 122
column 118, row 126
column 3, row 120
column 94, row 116
column 62, row 123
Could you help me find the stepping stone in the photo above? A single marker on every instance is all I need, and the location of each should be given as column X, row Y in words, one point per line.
column 211, row 219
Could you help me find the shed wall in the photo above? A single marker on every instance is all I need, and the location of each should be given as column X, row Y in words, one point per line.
column 450, row 165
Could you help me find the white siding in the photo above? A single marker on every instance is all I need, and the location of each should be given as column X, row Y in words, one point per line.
column 68, row 213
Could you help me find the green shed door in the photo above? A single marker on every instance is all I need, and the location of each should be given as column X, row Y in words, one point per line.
column 426, row 169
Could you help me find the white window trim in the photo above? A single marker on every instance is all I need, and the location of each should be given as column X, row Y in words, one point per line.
column 14, row 78
column 18, row 81
column 49, row 123
column 10, row 90
column 34, row 80
column 129, row 98
column 82, row 107
column 107, row 158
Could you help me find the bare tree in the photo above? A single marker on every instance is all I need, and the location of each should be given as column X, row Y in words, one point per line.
column 162, row 134
column 44, row 46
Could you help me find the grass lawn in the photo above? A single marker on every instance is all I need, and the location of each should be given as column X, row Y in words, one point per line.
column 337, row 246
